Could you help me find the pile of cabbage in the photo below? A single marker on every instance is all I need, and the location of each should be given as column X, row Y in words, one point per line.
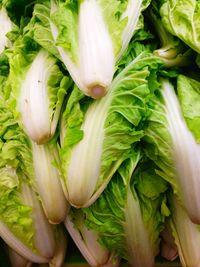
column 100, row 131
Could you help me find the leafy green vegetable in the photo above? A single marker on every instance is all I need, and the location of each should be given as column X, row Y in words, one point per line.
column 98, row 136
column 181, row 18
column 100, row 110
column 129, row 215
column 21, row 215
column 87, row 241
column 37, row 88
column 36, row 163
column 88, row 36
column 172, row 146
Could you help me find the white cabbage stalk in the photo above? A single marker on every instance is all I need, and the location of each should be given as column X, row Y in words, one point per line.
column 186, row 154
column 95, row 68
column 87, row 242
column 139, row 247
column 97, row 63
column 132, row 13
column 44, row 239
column 6, row 26
column 187, row 236
column 48, row 182
column 17, row 260
column 33, row 103
column 82, row 180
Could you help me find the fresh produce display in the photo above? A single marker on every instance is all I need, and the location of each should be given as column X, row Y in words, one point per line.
column 77, row 29
column 100, row 132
